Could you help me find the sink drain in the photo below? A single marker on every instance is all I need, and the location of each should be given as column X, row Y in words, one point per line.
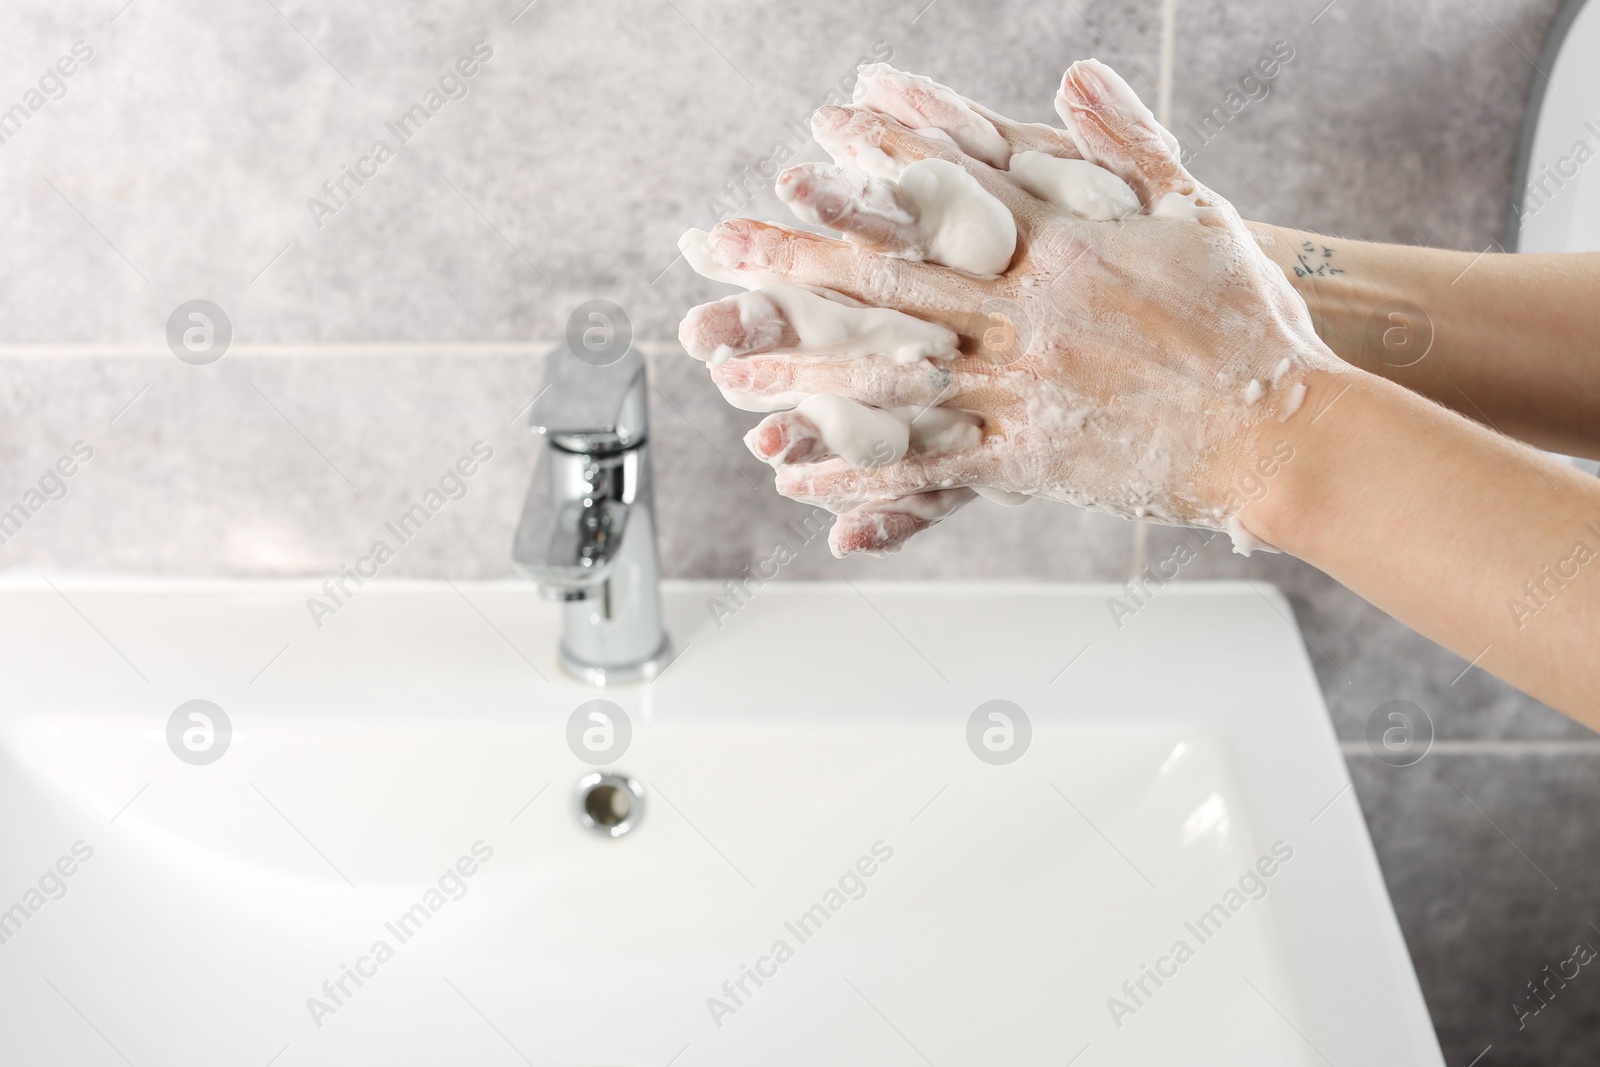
column 609, row 804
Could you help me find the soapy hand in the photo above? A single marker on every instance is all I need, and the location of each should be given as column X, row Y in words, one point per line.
column 1016, row 310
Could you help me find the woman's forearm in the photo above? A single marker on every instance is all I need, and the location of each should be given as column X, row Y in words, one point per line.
column 1512, row 341
column 1483, row 544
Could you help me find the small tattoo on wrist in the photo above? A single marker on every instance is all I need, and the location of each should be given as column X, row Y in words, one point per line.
column 1315, row 261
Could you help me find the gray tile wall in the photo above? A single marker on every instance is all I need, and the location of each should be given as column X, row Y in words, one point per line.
column 179, row 162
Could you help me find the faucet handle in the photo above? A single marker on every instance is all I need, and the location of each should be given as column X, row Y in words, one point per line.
column 592, row 408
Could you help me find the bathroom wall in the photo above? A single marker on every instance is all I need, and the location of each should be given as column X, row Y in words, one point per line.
column 374, row 340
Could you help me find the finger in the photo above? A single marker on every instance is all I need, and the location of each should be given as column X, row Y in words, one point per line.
column 937, row 212
column 1030, row 136
column 931, row 293
column 840, row 487
column 1112, row 127
column 804, row 435
column 695, row 247
column 882, row 147
column 851, row 139
column 1077, row 186
column 868, row 210
column 787, row 318
column 734, row 326
column 861, row 435
column 883, row 527
column 786, row 437
column 781, row 381
column 919, row 103
column 945, row 429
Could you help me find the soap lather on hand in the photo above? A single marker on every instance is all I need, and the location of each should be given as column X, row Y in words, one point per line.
column 1151, row 341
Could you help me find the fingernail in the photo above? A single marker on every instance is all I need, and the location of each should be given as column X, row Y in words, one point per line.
column 734, row 246
column 712, row 332
column 1086, row 76
column 723, row 247
column 762, row 442
column 793, row 183
column 781, row 442
column 689, row 333
column 828, row 118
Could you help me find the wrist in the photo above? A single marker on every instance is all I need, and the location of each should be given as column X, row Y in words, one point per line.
column 1344, row 284
column 1313, row 453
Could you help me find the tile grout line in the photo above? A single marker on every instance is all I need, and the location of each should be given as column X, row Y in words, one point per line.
column 1493, row 747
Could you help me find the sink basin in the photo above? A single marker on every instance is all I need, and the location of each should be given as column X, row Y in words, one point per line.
column 844, row 851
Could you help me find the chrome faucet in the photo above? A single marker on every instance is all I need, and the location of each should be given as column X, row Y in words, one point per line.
column 587, row 533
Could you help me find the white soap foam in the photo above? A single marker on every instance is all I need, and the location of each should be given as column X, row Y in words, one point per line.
column 832, row 327
column 1245, row 542
column 758, row 403
column 865, row 436
column 1076, row 185
column 1176, row 205
column 935, row 431
column 875, row 161
column 1291, row 404
column 1143, row 460
column 1004, row 497
column 959, row 224
column 936, row 212
column 860, row 435
column 825, row 324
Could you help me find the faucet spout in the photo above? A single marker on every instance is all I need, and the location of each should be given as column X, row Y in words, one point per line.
column 587, row 534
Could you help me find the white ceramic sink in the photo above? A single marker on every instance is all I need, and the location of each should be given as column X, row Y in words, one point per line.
column 819, row 729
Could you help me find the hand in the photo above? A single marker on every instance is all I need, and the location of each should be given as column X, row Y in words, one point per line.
column 1131, row 366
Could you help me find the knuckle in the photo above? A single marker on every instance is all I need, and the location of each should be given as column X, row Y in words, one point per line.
column 878, row 278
